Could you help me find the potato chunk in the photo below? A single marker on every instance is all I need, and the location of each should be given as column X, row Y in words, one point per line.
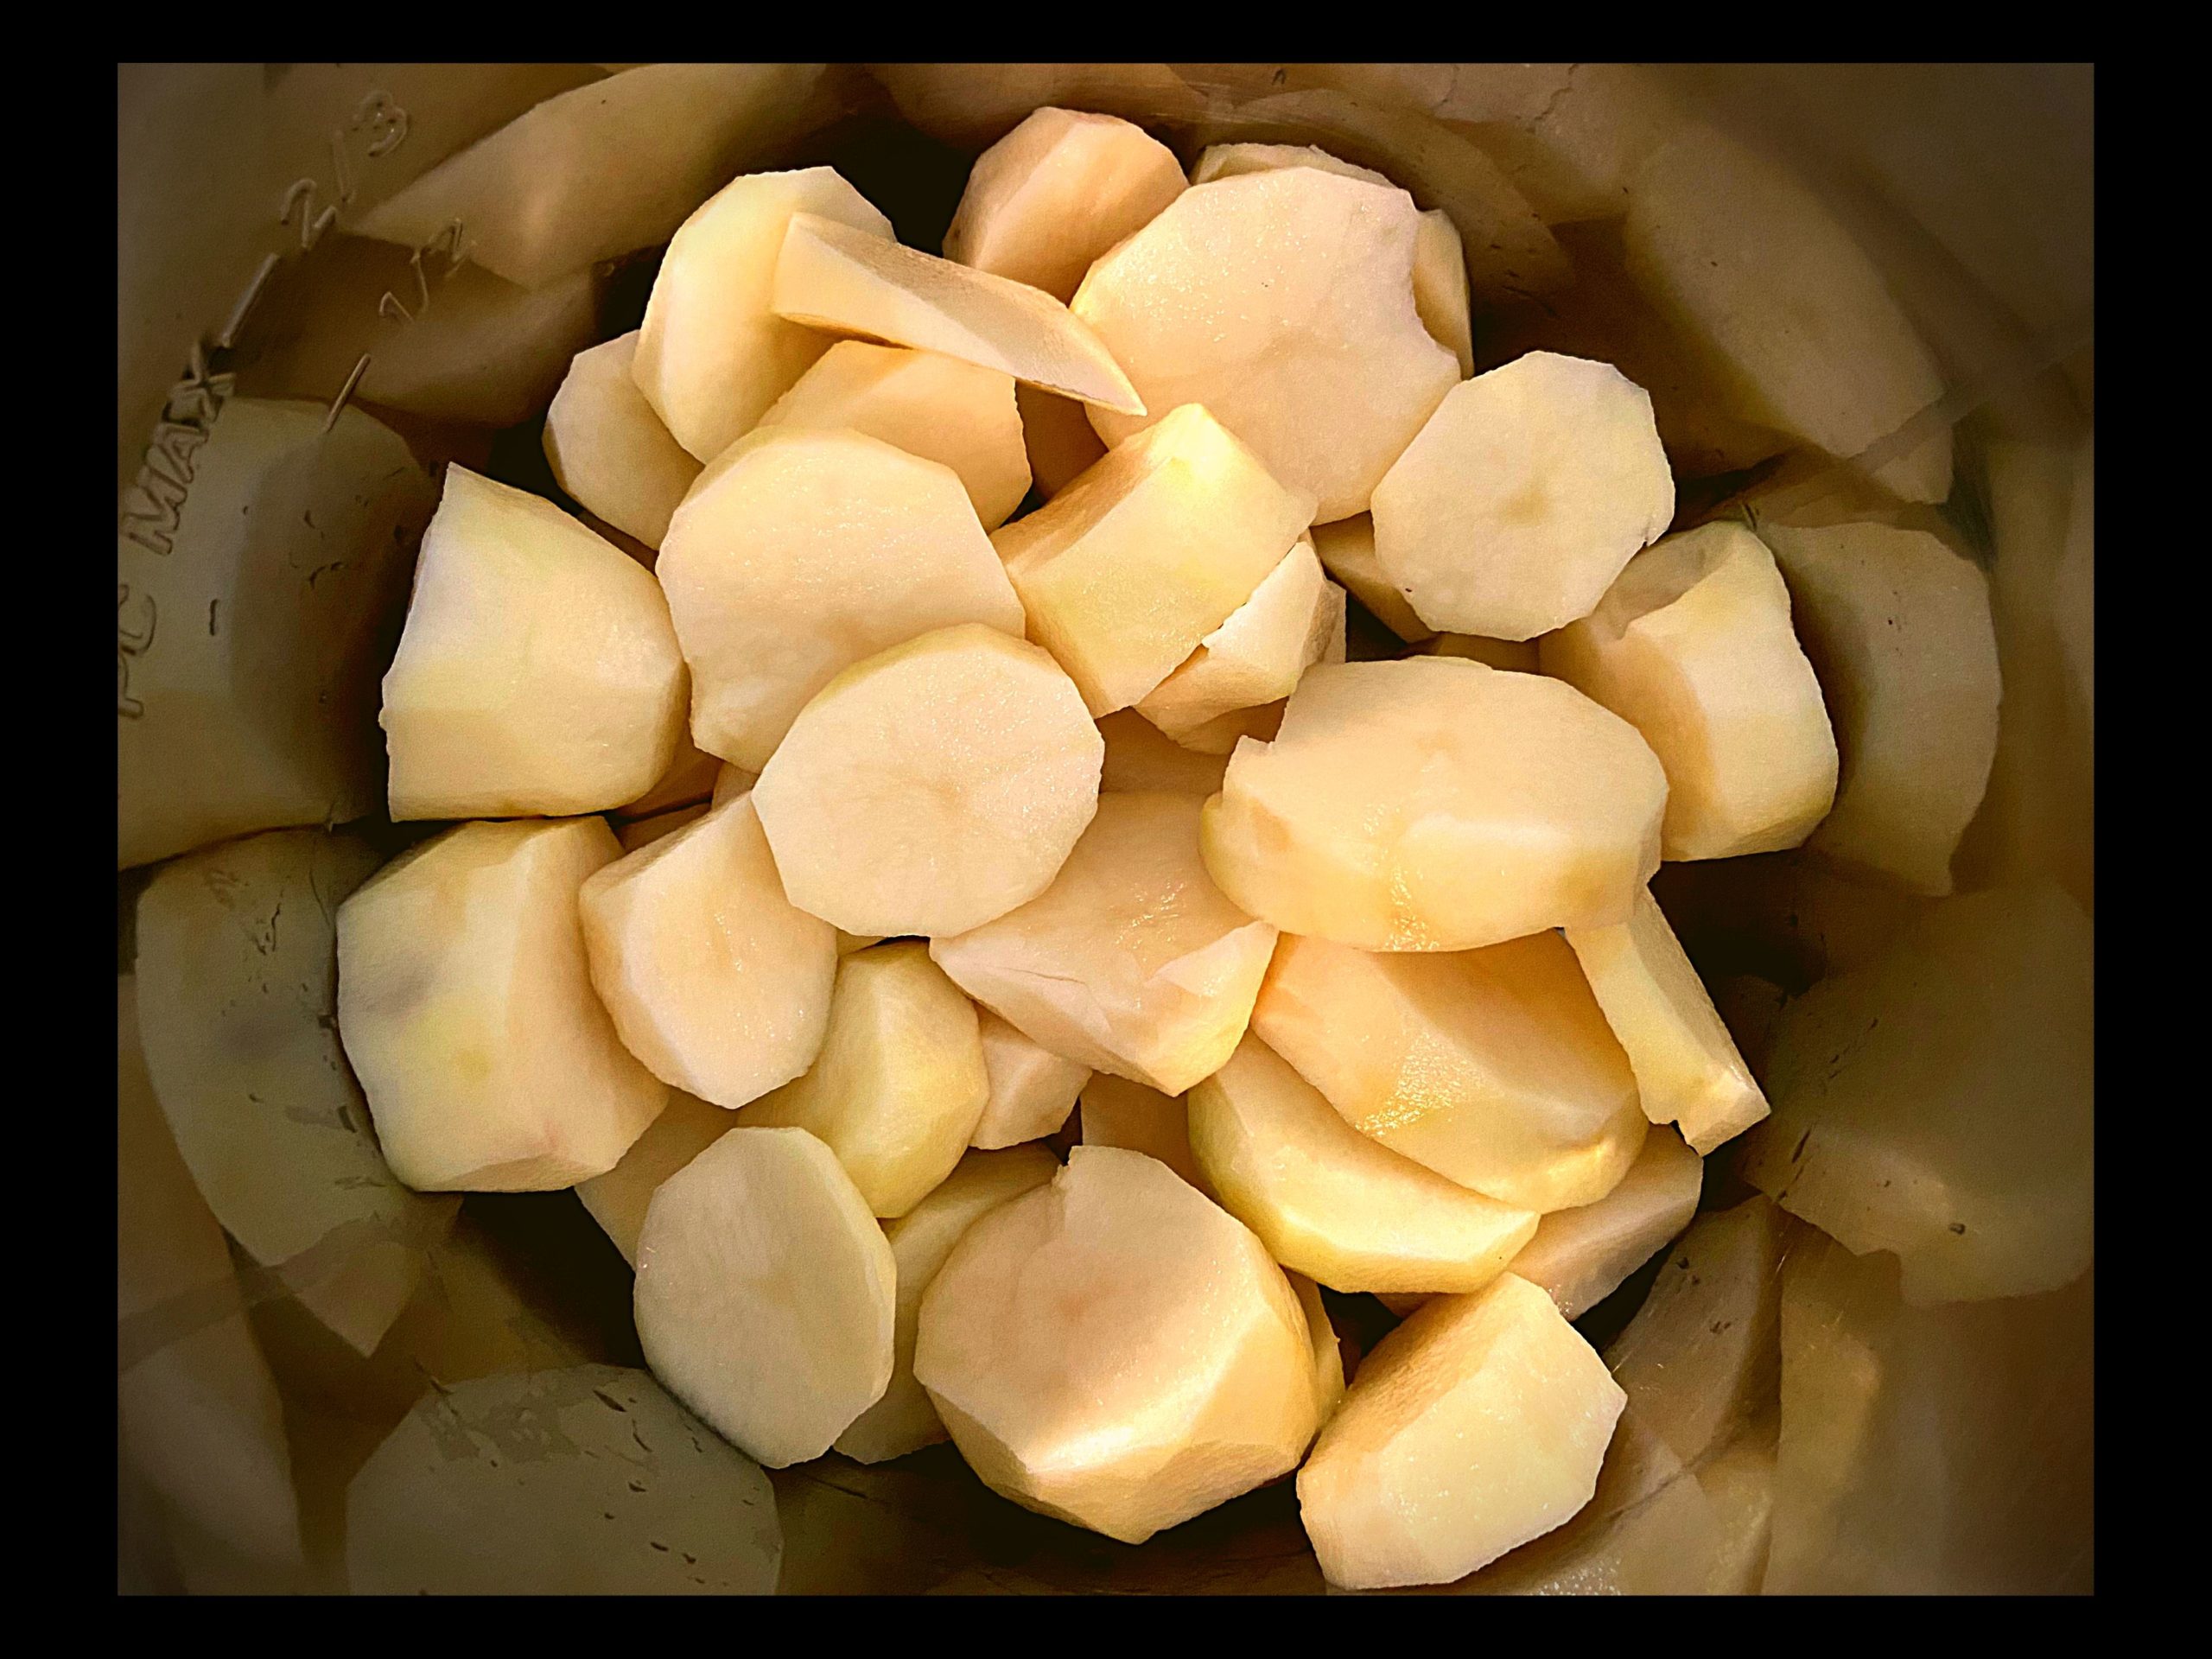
column 467, row 1012
column 691, row 778
column 1493, row 1067
column 1440, row 287
column 801, row 551
column 1294, row 618
column 1693, row 646
column 1229, row 161
column 618, row 1200
column 609, row 449
column 933, row 787
column 1119, row 1113
column 1523, row 497
column 1032, row 1089
column 1140, row 757
column 1476, row 1425
column 1346, row 550
column 1113, row 1350
column 538, row 672
column 1579, row 1256
column 1437, row 804
column 1283, row 301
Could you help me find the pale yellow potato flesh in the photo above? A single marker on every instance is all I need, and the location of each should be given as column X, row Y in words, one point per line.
column 538, row 672
column 1283, row 301
column 1693, row 646
column 1436, row 804
column 1328, row 1357
column 899, row 1083
column 1440, row 287
column 841, row 281
column 1125, row 572
column 1331, row 1203
column 693, row 776
column 1476, row 1426
column 1113, row 1350
column 1579, row 1256
column 1294, row 618
column 932, row 788
column 1058, row 437
column 765, row 1294
column 1128, row 1115
column 1346, row 548
column 801, row 551
column 1520, row 655
column 1221, row 734
column 1140, row 757
column 1494, row 1068
column 1523, row 496
column 643, row 832
column 714, row 980
column 1032, row 1089
column 467, row 1010
column 712, row 355
column 609, row 449
column 1228, row 161
column 618, row 1200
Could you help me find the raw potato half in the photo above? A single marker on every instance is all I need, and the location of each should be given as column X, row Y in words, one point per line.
column 467, row 1012
column 1283, row 301
column 765, row 1294
column 1294, row 618
column 1119, row 1113
column 1476, row 1425
column 1346, row 550
column 1435, row 803
column 609, row 449
column 799, row 552
column 618, row 1200
column 713, row 978
column 1113, row 1350
column 1493, row 1067
column 1131, row 962
column 1140, row 757
column 900, row 1084
column 1032, row 1089
column 1125, row 572
column 1580, row 1256
column 1693, row 646
column 538, row 672
column 1523, row 497
column 932, row 788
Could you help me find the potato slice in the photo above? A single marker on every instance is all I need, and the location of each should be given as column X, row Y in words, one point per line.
column 1333, row 1203
column 1437, row 804
column 1493, row 1067
column 1688, row 1070
column 1282, row 301
column 247, row 644
column 1032, row 1089
column 1579, row 1256
column 933, row 787
column 1229, row 161
column 801, row 551
column 1897, row 628
column 904, row 1419
column 607, row 447
column 1058, row 437
column 1131, row 962
column 1476, row 1425
column 538, row 672
column 900, row 1082
column 832, row 278
column 1523, row 497
column 1294, row 618
column 1693, row 646
column 1056, row 193
column 1346, row 550
column 1114, row 1350
column 713, row 978
column 467, row 1012
column 1221, row 734
column 1440, row 287
column 1937, row 1102
column 1141, row 757
column 618, row 1200
column 712, row 355
column 1119, row 1113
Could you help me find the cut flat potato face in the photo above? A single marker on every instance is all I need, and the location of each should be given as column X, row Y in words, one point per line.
column 1032, row 1089
column 1523, row 496
column 1113, row 1350
column 537, row 673
column 1440, row 287
column 467, row 1012
column 1688, row 1070
column 1126, row 570
column 1580, row 1256
column 1333, row 1203
column 1119, row 1113
column 607, row 447
column 834, row 278
column 1476, row 1425
column 1058, row 436
column 1693, row 646
column 1493, row 1067
column 1294, row 618
column 900, row 1082
column 1347, row 552
column 1437, row 804
column 1056, row 193
column 801, row 551
column 926, row 403
column 712, row 356
column 932, row 788
column 904, row 1419
column 1132, row 961
column 713, row 978
column 1283, row 301
column 1897, row 628
column 618, row 1200
column 1140, row 757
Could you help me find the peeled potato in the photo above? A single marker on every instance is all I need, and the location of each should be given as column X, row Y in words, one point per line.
column 607, row 447
column 1493, row 1067
column 1114, row 1350
column 1328, row 1357
column 1119, row 1113
column 933, row 787
column 1346, row 550
column 618, row 1200
column 1440, row 287
column 1058, row 437
column 1294, row 618
column 1032, row 1089
column 1580, row 1256
column 467, row 1012
column 1139, row 756
column 1221, row 734
column 1437, row 804
column 538, row 672
column 1228, row 161
column 692, row 777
